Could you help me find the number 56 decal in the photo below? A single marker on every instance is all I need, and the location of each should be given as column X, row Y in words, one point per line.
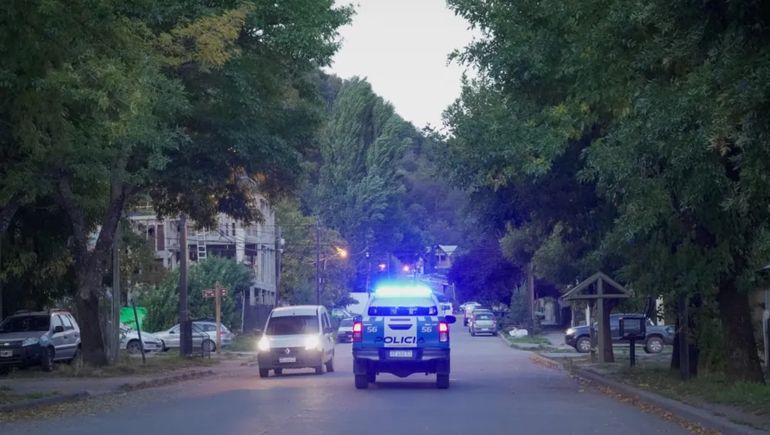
column 427, row 329
column 371, row 329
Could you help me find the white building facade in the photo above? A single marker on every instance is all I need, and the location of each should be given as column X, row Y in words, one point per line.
column 255, row 245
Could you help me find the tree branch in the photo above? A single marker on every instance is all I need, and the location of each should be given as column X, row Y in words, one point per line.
column 69, row 203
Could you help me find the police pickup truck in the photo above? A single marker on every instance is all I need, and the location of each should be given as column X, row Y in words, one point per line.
column 401, row 332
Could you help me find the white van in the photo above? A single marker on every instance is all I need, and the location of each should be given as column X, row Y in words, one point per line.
column 297, row 337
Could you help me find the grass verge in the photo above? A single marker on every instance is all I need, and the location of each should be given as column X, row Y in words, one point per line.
column 7, row 396
column 124, row 366
column 244, row 343
column 706, row 388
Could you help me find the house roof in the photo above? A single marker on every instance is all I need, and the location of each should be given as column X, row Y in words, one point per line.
column 449, row 249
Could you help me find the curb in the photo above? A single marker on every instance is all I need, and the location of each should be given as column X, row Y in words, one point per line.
column 159, row 382
column 683, row 410
column 45, row 401
column 83, row 395
column 505, row 340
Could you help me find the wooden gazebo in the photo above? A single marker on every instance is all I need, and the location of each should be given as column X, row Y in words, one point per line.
column 599, row 290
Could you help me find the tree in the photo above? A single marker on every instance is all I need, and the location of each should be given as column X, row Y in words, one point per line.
column 359, row 190
column 183, row 101
column 483, row 274
column 667, row 103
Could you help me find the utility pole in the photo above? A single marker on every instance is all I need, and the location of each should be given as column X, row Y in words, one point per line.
column 278, row 253
column 1, row 281
column 317, row 262
column 185, row 328
column 531, row 294
column 115, row 332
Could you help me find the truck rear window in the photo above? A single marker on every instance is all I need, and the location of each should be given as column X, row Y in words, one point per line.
column 402, row 311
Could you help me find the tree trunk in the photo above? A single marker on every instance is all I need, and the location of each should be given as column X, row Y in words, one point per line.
column 91, row 264
column 742, row 353
column 692, row 351
column 609, row 354
column 91, row 340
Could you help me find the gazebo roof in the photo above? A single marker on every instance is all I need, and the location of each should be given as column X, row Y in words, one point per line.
column 585, row 291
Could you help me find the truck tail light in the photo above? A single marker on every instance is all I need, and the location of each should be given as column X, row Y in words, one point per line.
column 443, row 332
column 358, row 329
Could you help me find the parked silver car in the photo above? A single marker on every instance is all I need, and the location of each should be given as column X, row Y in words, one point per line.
column 129, row 341
column 204, row 336
column 482, row 322
column 42, row 337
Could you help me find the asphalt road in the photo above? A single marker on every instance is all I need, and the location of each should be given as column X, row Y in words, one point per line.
column 494, row 390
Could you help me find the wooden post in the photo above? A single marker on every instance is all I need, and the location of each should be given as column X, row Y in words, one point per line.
column 218, row 313
column 600, row 314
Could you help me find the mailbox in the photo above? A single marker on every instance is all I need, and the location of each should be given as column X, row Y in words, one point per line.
column 633, row 327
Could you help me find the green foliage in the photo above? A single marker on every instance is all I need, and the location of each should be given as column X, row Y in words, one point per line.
column 483, row 274
column 639, row 147
column 519, row 313
column 297, row 284
column 195, row 104
column 162, row 300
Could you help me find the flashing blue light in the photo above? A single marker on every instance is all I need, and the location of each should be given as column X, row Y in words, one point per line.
column 394, row 290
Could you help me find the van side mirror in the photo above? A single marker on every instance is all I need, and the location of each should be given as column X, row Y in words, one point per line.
column 58, row 329
column 450, row 319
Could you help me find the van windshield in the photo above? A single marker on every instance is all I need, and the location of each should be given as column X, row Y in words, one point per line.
column 292, row 325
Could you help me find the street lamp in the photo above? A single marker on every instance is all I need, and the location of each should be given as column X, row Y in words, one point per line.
column 339, row 253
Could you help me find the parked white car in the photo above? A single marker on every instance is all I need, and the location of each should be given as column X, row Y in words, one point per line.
column 129, row 341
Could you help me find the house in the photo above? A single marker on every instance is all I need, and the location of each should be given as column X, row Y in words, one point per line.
column 255, row 245
column 443, row 256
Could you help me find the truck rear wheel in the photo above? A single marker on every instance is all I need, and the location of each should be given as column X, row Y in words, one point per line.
column 442, row 381
column 362, row 382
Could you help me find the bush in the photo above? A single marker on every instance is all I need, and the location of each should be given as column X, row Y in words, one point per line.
column 162, row 301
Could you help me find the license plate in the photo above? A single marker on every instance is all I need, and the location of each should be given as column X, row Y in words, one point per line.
column 6, row 353
column 287, row 359
column 400, row 353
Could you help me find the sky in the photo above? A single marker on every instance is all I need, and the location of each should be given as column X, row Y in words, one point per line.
column 401, row 48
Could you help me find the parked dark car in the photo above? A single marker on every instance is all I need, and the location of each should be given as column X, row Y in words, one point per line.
column 345, row 331
column 657, row 335
column 38, row 338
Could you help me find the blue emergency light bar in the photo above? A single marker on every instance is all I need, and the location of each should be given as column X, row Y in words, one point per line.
column 400, row 290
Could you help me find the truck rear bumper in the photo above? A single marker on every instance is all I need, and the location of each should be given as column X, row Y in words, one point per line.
column 427, row 360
